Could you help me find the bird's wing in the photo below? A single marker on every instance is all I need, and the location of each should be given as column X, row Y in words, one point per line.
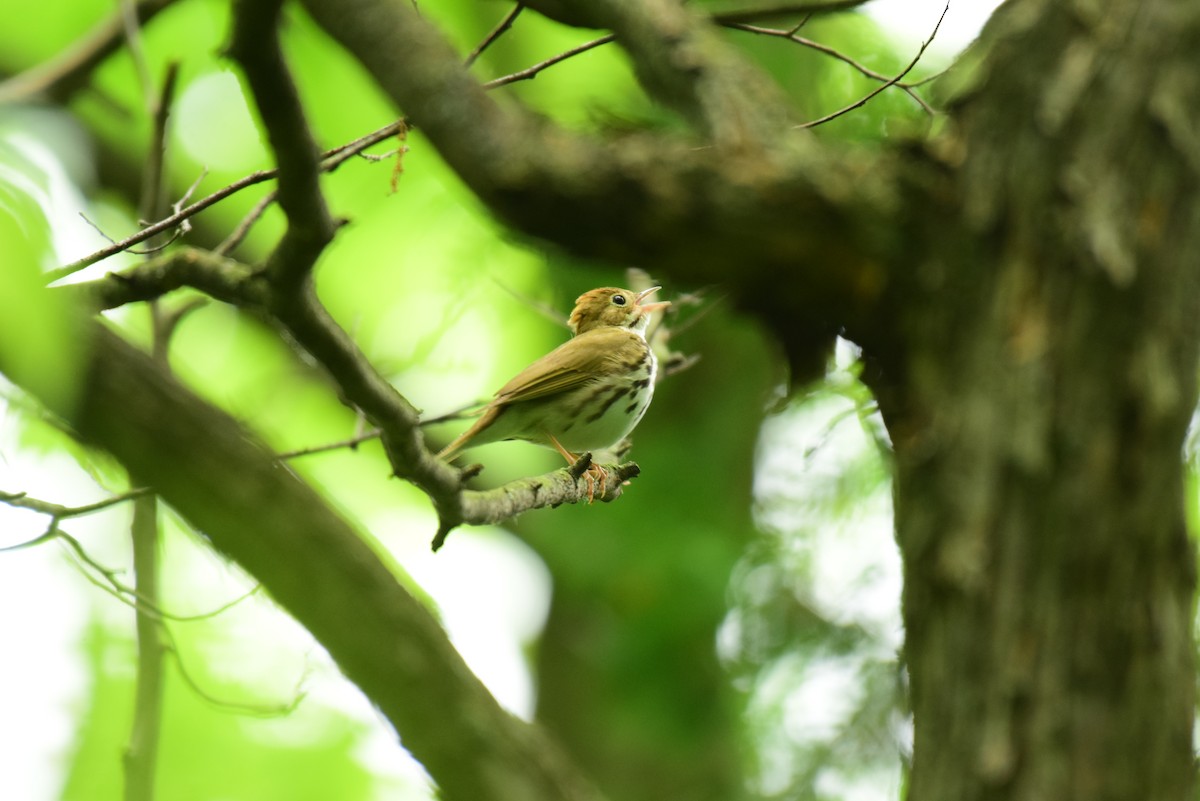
column 572, row 364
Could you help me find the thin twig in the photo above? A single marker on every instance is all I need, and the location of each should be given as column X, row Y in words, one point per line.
column 495, row 34
column 160, row 226
column 367, row 436
column 787, row 10
column 791, row 36
column 331, row 160
column 23, row 501
column 238, row 235
column 157, row 108
column 728, row 18
column 334, row 157
column 186, row 225
column 864, row 100
column 352, row 442
column 112, row 584
column 140, row 252
column 548, row 312
column 240, row 707
column 532, row 72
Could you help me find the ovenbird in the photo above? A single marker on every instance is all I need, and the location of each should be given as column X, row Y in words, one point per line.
column 588, row 393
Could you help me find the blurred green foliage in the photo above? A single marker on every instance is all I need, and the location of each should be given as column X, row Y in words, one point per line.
column 24, row 308
column 206, row 746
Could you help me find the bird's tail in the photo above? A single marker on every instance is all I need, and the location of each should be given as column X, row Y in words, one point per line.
column 460, row 442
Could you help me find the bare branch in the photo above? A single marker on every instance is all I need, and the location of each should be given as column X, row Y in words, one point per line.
column 879, row 89
column 216, row 276
column 582, row 15
column 537, row 492
column 495, row 34
column 158, row 108
column 107, row 579
column 331, row 160
column 351, row 443
column 239, row 234
column 238, row 707
column 335, row 157
column 310, row 227
column 366, row 436
column 787, row 10
column 160, row 226
column 792, row 36
column 88, row 564
column 143, row 252
column 531, row 72
column 59, row 512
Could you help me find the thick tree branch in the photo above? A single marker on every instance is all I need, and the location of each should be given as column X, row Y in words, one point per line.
column 219, row 277
column 255, row 46
column 581, row 14
column 680, row 57
column 801, row 9
column 315, row 566
column 536, row 492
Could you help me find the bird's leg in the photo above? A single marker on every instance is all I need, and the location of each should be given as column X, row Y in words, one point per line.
column 592, row 473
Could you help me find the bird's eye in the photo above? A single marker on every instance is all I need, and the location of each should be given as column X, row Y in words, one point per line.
column 619, row 300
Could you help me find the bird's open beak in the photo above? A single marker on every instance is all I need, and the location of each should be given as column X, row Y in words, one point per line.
column 651, row 307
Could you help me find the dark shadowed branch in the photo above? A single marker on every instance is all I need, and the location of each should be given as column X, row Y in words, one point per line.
column 310, row 227
column 317, row 567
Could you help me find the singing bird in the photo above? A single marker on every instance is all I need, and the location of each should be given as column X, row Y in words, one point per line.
column 585, row 395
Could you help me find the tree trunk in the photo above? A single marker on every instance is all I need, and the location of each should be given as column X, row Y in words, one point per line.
column 1038, row 404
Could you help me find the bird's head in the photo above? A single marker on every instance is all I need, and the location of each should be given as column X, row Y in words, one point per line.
column 610, row 306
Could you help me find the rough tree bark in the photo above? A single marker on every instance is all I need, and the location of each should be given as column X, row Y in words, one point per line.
column 1038, row 394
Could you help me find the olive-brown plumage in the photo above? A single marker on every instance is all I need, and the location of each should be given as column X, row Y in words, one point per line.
column 585, row 395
